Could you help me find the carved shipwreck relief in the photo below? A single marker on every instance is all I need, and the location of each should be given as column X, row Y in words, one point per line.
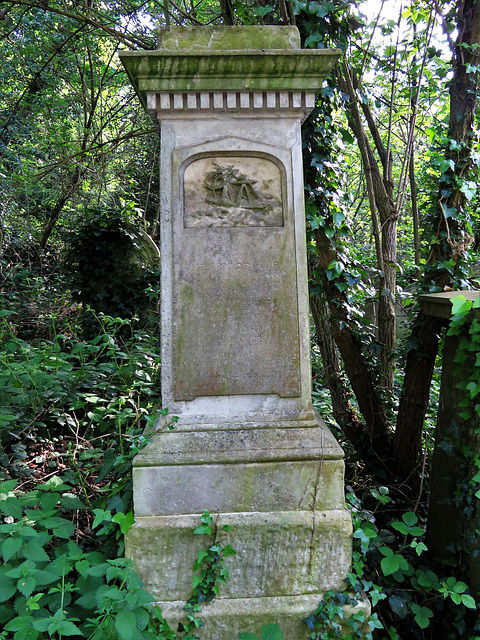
column 233, row 191
column 235, row 295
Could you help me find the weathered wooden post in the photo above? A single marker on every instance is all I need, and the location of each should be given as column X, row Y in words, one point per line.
column 248, row 446
column 448, row 526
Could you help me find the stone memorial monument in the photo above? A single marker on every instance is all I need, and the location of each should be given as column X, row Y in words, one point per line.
column 248, row 446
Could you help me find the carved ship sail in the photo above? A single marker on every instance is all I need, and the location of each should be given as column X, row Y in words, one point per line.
column 227, row 187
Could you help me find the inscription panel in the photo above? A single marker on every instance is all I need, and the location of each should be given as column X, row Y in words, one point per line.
column 235, row 309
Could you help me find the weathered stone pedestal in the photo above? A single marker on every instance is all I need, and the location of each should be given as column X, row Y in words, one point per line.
column 235, row 336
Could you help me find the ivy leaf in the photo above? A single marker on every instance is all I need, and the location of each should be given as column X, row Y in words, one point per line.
column 469, row 188
column 101, row 516
column 460, row 304
column 125, row 520
column 196, row 581
column 262, row 11
column 443, row 164
column 203, row 529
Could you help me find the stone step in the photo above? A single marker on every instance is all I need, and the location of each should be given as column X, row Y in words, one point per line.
column 283, row 553
column 224, row 619
column 239, row 487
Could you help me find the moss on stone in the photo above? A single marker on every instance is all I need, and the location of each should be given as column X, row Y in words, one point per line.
column 253, row 37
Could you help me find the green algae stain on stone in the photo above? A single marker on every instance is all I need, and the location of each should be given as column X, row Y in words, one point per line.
column 235, row 250
column 231, row 38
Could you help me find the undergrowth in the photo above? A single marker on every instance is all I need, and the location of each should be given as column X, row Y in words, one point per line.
column 74, row 412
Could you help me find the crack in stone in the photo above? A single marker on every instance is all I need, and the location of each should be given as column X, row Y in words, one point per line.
column 313, row 507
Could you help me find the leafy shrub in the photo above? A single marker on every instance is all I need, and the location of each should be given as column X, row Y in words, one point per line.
column 50, row 586
column 112, row 268
column 65, row 386
column 391, row 568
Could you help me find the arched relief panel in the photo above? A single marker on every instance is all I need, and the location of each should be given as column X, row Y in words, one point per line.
column 236, row 329
column 233, row 189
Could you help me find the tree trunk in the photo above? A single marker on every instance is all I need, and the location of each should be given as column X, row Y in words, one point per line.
column 380, row 196
column 342, row 410
column 450, row 242
column 361, row 378
column 72, row 186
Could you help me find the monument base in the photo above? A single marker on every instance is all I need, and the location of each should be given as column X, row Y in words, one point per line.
column 225, row 618
column 281, row 553
column 279, row 488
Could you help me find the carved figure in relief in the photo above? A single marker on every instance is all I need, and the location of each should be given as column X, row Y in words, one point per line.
column 227, row 187
column 233, row 191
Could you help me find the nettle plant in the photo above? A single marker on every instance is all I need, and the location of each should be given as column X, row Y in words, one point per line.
column 52, row 587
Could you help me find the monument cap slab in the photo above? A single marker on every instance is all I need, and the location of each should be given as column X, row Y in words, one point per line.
column 228, row 59
column 228, row 38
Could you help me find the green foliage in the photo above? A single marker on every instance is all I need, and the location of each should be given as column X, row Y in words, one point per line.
column 405, row 589
column 51, row 586
column 267, row 632
column 112, row 269
column 103, row 386
column 211, row 572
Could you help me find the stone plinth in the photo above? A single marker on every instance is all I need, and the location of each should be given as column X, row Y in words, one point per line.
column 235, row 335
